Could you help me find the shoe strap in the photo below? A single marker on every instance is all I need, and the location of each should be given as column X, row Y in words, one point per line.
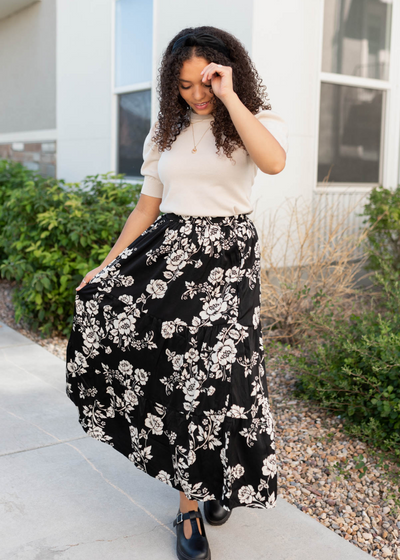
column 180, row 518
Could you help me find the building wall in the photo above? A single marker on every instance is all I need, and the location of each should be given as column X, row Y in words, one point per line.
column 283, row 39
column 84, row 82
column 286, row 52
column 28, row 69
column 233, row 16
column 37, row 156
column 86, row 113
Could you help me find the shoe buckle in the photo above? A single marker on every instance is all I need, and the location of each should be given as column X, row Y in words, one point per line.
column 179, row 518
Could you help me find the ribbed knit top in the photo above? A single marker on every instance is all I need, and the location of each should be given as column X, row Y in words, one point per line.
column 205, row 183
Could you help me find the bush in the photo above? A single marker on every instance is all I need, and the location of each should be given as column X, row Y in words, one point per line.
column 383, row 215
column 355, row 370
column 13, row 175
column 353, row 366
column 53, row 233
column 311, row 256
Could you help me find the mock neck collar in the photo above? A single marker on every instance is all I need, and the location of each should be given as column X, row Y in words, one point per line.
column 195, row 117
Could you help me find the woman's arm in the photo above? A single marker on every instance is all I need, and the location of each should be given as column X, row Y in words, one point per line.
column 263, row 148
column 145, row 212
column 142, row 216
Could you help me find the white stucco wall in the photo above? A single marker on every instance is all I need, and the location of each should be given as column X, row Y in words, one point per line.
column 286, row 51
column 84, row 96
column 233, row 16
column 27, row 70
column 283, row 39
column 86, row 113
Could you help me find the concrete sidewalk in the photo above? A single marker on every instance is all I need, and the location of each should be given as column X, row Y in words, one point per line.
column 64, row 495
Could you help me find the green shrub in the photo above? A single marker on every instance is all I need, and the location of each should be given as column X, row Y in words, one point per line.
column 354, row 367
column 53, row 233
column 382, row 211
column 13, row 175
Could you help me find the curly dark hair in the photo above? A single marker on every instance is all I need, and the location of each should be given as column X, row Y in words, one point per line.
column 173, row 115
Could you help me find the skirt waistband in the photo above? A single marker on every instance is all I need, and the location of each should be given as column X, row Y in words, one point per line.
column 207, row 219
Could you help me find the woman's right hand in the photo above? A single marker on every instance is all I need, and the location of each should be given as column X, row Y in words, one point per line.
column 86, row 279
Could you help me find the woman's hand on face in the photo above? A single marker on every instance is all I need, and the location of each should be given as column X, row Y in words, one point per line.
column 86, row 279
column 221, row 79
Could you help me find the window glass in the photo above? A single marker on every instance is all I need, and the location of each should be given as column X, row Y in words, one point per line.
column 133, row 41
column 133, row 126
column 350, row 125
column 357, row 38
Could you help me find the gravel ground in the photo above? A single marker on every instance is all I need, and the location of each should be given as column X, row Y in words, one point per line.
column 317, row 461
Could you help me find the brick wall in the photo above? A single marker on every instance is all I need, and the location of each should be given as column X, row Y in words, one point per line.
column 38, row 156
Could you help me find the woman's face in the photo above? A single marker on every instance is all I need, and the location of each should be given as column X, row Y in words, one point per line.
column 192, row 89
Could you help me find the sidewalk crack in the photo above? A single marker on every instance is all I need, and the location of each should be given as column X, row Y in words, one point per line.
column 114, row 539
column 93, row 466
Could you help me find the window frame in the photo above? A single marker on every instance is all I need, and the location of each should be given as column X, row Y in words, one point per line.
column 390, row 133
column 131, row 88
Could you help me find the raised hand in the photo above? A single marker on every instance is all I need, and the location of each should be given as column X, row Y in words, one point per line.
column 221, row 79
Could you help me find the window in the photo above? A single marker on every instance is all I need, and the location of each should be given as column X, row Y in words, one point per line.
column 133, row 81
column 356, row 38
column 133, row 41
column 350, row 134
column 354, row 84
column 134, row 124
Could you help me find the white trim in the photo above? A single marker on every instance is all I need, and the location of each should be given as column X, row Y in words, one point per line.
column 132, row 87
column 345, row 187
column 384, row 146
column 116, row 91
column 155, row 63
column 133, row 180
column 114, row 96
column 130, row 180
column 357, row 81
column 390, row 126
column 318, row 99
column 29, row 136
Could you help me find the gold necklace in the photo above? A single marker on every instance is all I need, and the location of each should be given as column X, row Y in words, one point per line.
column 194, row 143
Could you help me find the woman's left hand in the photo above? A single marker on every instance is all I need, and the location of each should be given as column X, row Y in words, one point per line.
column 221, row 79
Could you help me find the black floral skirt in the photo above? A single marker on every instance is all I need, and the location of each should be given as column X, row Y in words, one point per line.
column 165, row 359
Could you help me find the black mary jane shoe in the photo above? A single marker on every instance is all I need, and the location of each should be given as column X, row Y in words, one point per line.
column 215, row 513
column 195, row 548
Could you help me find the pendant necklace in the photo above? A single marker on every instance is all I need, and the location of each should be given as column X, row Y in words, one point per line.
column 194, row 143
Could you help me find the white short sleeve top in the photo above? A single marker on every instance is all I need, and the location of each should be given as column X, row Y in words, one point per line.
column 204, row 183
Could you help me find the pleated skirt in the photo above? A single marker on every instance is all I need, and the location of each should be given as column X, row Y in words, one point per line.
column 165, row 360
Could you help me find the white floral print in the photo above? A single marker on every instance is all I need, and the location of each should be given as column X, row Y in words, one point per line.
column 165, row 360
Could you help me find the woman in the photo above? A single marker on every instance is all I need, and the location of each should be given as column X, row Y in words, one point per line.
column 165, row 359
